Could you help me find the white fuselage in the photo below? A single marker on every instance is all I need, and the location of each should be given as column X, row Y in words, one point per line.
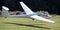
column 19, row 16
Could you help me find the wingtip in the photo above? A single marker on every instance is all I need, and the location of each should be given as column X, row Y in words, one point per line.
column 21, row 1
column 53, row 22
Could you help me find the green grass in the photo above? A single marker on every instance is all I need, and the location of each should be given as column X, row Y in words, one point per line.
column 28, row 24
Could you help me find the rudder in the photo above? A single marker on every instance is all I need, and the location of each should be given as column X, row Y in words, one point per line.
column 5, row 12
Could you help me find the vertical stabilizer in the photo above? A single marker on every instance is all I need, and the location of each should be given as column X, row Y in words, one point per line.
column 5, row 11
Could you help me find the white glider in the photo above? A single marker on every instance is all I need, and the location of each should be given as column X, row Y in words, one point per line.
column 28, row 11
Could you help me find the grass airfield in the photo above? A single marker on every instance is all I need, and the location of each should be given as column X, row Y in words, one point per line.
column 28, row 24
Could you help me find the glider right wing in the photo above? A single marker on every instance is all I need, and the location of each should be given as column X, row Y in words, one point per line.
column 26, row 9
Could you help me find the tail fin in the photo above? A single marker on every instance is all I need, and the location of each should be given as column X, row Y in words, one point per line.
column 26, row 9
column 5, row 11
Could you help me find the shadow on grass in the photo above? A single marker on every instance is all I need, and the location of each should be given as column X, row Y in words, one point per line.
column 30, row 25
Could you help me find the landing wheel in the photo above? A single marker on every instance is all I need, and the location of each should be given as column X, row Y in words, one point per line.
column 33, row 19
column 5, row 17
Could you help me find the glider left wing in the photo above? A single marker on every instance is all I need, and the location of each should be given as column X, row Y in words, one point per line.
column 40, row 18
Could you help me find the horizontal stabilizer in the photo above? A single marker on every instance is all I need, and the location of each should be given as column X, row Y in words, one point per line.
column 3, row 7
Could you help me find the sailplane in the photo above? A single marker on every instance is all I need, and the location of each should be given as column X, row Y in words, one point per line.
column 28, row 11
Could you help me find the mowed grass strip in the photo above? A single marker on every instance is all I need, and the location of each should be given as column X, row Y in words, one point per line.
column 28, row 24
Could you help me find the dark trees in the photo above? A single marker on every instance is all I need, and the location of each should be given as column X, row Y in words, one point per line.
column 52, row 6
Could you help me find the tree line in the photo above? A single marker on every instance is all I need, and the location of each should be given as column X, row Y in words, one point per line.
column 52, row 6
